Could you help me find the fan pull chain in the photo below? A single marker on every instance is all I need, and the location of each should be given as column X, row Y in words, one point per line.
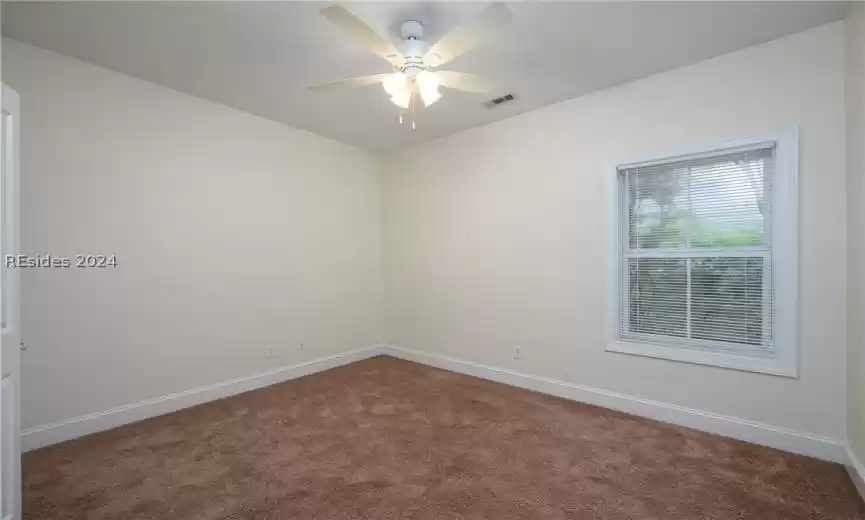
column 413, row 102
column 411, row 113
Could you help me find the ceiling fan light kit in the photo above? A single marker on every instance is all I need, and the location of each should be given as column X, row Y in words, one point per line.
column 394, row 83
column 414, row 75
column 401, row 98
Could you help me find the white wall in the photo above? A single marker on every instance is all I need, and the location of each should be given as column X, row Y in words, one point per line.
column 232, row 234
column 496, row 237
column 856, row 229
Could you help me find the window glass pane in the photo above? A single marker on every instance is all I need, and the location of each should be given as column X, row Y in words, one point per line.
column 712, row 202
column 727, row 300
column 657, row 296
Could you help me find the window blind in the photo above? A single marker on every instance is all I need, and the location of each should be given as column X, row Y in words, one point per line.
column 696, row 252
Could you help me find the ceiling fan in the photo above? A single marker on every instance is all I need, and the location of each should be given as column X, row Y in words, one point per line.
column 415, row 61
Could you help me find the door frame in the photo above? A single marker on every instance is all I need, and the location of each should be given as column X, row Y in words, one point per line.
column 10, row 391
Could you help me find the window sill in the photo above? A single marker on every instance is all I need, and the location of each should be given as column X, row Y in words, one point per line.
column 773, row 367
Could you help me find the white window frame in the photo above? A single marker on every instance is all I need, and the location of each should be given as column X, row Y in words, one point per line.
column 784, row 266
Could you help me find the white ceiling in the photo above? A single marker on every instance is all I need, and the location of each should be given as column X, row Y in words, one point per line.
column 261, row 56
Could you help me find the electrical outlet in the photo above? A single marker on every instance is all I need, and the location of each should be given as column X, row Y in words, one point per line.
column 269, row 354
column 518, row 354
column 302, row 346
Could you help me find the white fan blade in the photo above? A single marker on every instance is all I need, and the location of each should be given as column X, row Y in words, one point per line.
column 464, row 82
column 467, row 36
column 360, row 81
column 361, row 32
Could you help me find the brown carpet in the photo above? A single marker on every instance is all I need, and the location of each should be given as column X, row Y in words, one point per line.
column 388, row 439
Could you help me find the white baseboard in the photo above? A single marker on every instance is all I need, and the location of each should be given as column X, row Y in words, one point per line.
column 749, row 431
column 857, row 471
column 48, row 434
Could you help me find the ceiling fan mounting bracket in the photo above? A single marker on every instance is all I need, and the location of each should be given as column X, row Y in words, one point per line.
column 411, row 30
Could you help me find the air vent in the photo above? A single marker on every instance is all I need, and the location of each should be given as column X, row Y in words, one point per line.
column 499, row 101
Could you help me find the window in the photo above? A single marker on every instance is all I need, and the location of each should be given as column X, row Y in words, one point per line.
column 706, row 258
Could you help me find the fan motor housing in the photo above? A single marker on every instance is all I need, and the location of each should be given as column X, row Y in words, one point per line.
column 412, row 48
